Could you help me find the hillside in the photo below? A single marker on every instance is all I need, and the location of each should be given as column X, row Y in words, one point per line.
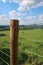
column 22, row 27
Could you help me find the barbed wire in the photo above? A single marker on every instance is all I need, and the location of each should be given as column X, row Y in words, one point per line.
column 5, row 53
column 4, row 61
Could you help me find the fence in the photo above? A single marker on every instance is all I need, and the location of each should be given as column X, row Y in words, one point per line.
column 14, row 29
column 13, row 57
column 6, row 57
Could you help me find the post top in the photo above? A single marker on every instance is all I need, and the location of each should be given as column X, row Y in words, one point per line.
column 14, row 20
column 14, row 23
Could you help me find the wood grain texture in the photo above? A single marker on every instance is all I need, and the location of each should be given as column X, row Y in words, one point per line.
column 14, row 30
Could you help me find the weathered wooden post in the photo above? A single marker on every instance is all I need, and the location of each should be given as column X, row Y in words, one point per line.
column 14, row 29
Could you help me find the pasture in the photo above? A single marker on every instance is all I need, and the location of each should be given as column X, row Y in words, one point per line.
column 30, row 45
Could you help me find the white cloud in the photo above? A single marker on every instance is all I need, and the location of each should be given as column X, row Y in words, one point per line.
column 31, row 17
column 41, row 16
column 4, row 1
column 32, row 20
column 12, row 15
column 16, row 15
column 17, row 1
column 4, row 20
column 28, row 20
column 28, row 4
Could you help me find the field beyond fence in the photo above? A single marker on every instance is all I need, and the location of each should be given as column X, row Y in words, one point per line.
column 30, row 47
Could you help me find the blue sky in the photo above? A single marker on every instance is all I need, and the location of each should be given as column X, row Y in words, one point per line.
column 27, row 11
column 5, row 8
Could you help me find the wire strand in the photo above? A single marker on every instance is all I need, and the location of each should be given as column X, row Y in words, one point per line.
column 5, row 53
column 4, row 61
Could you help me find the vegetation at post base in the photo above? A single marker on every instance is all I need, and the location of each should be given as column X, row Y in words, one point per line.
column 30, row 44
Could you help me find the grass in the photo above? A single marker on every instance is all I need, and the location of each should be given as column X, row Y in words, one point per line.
column 36, row 34
column 4, row 41
column 25, row 43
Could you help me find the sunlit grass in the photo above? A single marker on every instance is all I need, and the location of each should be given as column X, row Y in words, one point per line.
column 25, row 42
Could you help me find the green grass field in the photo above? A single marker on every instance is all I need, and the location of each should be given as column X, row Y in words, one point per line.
column 30, row 45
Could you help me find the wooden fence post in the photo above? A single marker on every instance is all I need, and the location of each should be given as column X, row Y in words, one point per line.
column 14, row 29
